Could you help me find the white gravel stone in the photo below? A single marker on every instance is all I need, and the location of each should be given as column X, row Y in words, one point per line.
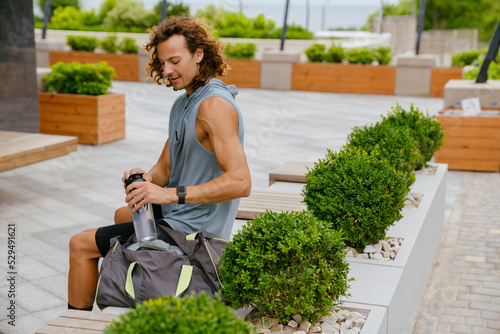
column 369, row 249
column 293, row 324
column 315, row 329
column 385, row 246
column 362, row 256
column 305, row 326
column 297, row 317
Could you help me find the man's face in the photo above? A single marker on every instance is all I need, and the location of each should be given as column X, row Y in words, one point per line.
column 179, row 65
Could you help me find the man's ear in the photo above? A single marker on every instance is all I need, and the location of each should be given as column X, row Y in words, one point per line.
column 198, row 55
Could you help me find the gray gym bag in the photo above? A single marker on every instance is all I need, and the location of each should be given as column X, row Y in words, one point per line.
column 175, row 264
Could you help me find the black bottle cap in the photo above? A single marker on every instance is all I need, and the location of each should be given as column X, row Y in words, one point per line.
column 134, row 177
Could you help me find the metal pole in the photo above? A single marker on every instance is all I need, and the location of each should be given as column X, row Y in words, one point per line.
column 283, row 33
column 46, row 18
column 307, row 14
column 421, row 17
column 163, row 10
column 241, row 7
column 490, row 56
column 381, row 16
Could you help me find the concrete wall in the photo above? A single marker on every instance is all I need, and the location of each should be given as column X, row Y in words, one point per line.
column 18, row 85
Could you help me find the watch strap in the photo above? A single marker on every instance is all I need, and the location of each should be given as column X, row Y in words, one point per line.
column 181, row 193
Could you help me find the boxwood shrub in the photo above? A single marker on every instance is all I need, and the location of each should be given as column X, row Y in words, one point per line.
column 336, row 53
column 82, row 43
column 285, row 263
column 128, row 46
column 240, row 50
column 109, row 43
column 194, row 314
column 427, row 131
column 76, row 78
column 358, row 193
column 394, row 143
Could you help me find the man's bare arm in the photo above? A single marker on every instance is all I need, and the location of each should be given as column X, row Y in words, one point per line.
column 217, row 130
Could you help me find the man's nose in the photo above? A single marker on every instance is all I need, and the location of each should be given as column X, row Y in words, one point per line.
column 167, row 70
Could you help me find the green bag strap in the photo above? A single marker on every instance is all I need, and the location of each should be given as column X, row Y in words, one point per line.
column 184, row 279
column 191, row 237
column 129, row 285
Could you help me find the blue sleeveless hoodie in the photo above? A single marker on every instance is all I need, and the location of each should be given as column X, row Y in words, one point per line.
column 192, row 164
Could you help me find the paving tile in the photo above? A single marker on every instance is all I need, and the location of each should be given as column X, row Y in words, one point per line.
column 34, row 299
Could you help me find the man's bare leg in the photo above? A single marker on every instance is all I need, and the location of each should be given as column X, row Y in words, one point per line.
column 83, row 272
column 123, row 215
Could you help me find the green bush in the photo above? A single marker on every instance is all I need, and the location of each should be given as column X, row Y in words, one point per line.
column 466, row 58
column 360, row 194
column 383, row 55
column 128, row 46
column 127, row 14
column 82, row 43
column 285, row 263
column 425, row 129
column 66, row 18
column 109, row 43
column 360, row 56
column 76, row 78
column 230, row 24
column 194, row 314
column 493, row 71
column 315, row 53
column 394, row 143
column 240, row 50
column 293, row 31
column 336, row 53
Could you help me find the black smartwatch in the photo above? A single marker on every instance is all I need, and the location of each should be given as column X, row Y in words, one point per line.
column 181, row 192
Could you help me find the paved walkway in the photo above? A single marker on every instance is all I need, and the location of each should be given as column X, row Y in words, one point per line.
column 50, row 201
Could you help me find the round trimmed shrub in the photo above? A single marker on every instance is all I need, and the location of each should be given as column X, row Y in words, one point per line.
column 427, row 131
column 285, row 263
column 128, row 46
column 194, row 314
column 83, row 79
column 82, row 43
column 394, row 143
column 360, row 194
column 110, row 43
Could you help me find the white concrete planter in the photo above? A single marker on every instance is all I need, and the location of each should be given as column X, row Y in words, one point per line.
column 398, row 286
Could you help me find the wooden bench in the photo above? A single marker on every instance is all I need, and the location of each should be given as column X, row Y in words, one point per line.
column 291, row 171
column 261, row 200
column 20, row 149
column 79, row 322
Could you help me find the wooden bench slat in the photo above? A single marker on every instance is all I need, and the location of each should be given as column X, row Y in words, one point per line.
column 261, row 200
column 74, row 321
column 291, row 171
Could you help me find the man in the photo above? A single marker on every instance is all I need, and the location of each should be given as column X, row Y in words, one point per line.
column 202, row 170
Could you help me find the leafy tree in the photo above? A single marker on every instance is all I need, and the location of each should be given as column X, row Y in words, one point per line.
column 229, row 24
column 172, row 9
column 58, row 3
column 127, row 14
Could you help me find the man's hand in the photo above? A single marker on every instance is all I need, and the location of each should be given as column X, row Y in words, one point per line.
column 140, row 193
column 145, row 175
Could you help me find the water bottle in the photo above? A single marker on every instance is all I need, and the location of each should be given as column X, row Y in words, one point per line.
column 144, row 220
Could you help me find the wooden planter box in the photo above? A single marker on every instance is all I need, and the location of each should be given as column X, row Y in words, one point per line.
column 439, row 78
column 93, row 119
column 126, row 66
column 243, row 73
column 338, row 78
column 471, row 142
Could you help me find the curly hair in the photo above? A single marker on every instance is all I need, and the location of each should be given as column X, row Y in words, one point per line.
column 197, row 35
